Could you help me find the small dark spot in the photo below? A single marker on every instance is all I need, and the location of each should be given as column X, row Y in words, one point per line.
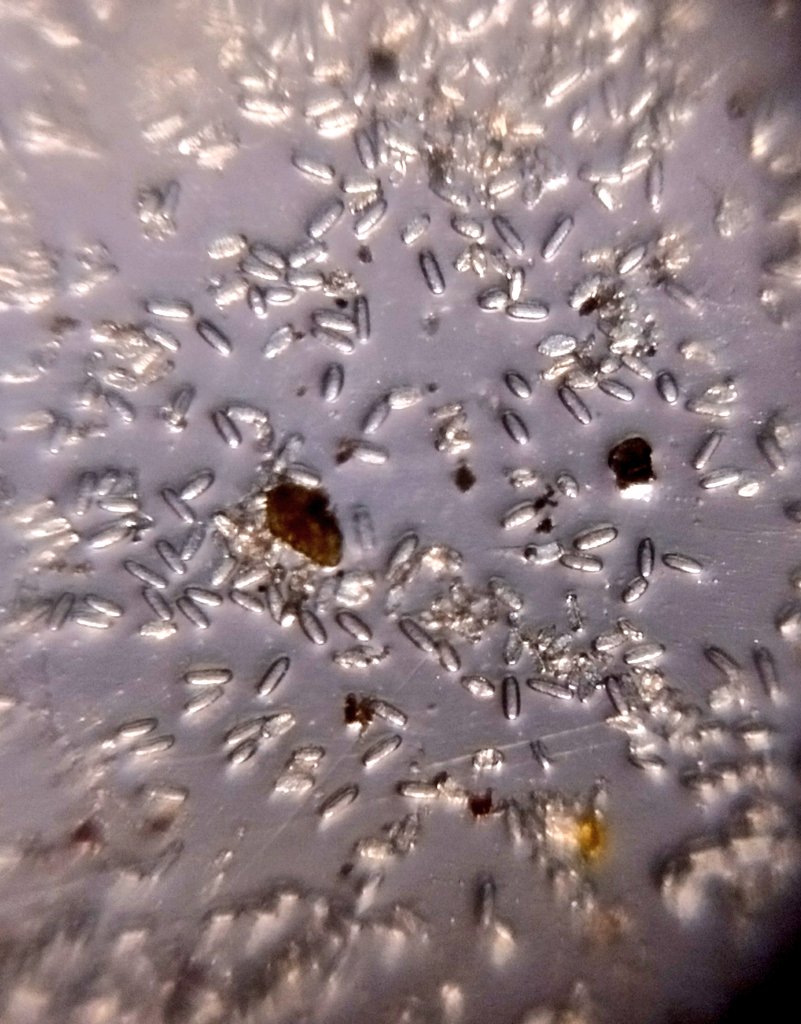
column 301, row 391
column 545, row 526
column 480, row 804
column 738, row 105
column 351, row 707
column 431, row 324
column 437, row 158
column 630, row 461
column 383, row 64
column 594, row 302
column 302, row 518
column 365, row 254
column 357, row 712
column 589, row 305
column 87, row 833
column 658, row 272
column 464, row 477
column 492, row 152
column 159, row 824
column 346, row 870
column 432, row 388
column 343, row 453
column 341, row 303
column 140, row 530
column 546, row 500
column 62, row 324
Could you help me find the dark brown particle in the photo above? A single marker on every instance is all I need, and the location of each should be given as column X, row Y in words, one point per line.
column 159, row 824
column 357, row 712
column 343, row 453
column 630, row 461
column 546, row 499
column 302, row 518
column 480, row 804
column 595, row 302
column 383, row 64
column 87, row 833
column 464, row 477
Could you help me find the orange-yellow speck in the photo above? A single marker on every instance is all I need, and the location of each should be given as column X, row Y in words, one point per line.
column 591, row 836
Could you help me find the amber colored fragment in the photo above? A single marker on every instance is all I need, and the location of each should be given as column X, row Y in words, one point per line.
column 301, row 517
column 591, row 835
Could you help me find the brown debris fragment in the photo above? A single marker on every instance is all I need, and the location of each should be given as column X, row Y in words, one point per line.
column 357, row 711
column 464, row 477
column 301, row 517
column 480, row 804
column 630, row 461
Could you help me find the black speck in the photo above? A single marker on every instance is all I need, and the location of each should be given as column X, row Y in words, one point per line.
column 357, row 711
column 341, row 303
column 87, row 832
column 480, row 804
column 546, row 499
column 437, row 158
column 464, row 477
column 545, row 526
column 383, row 64
column 432, row 388
column 630, row 461
column 158, row 825
column 365, row 254
column 343, row 453
column 596, row 301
